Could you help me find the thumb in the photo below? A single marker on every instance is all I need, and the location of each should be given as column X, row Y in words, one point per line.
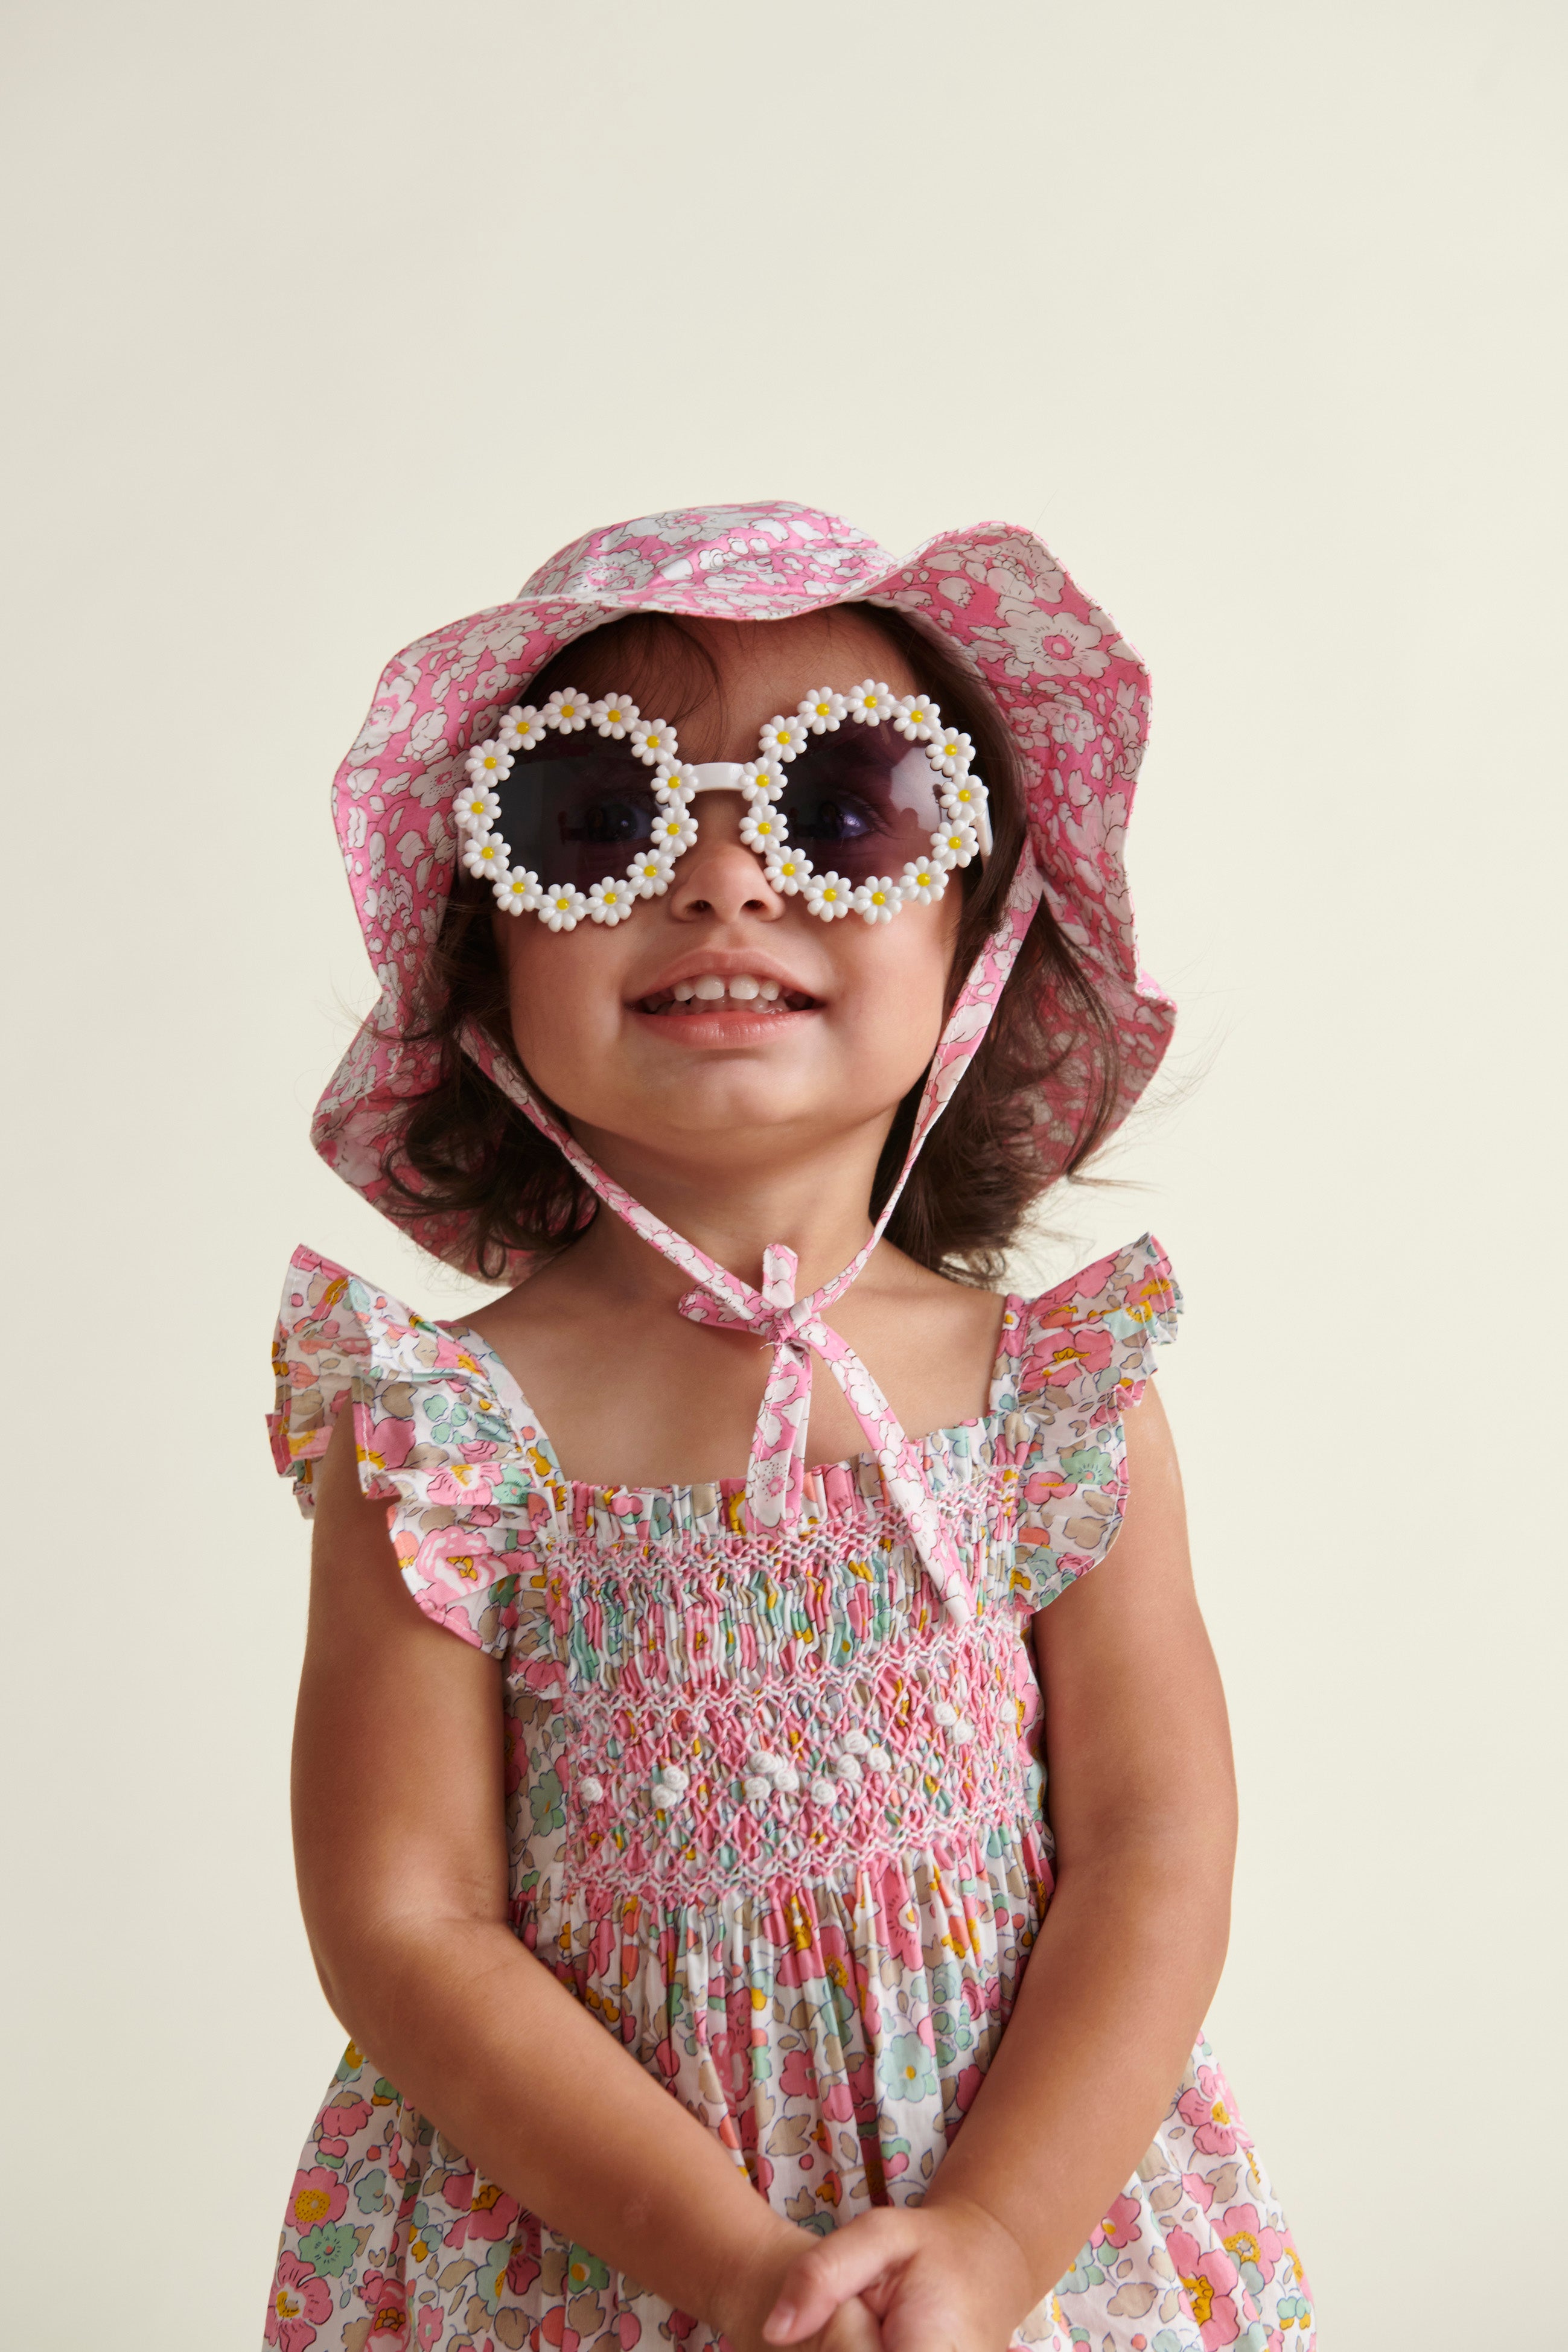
column 818, row 2280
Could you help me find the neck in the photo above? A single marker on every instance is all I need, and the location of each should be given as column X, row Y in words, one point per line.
column 816, row 1206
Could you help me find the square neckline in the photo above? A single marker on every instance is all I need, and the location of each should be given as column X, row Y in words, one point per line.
column 521, row 1415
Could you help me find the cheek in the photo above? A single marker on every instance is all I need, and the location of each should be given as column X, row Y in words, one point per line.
column 900, row 990
column 564, row 989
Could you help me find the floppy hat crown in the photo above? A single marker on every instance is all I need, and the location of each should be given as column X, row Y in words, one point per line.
column 1073, row 693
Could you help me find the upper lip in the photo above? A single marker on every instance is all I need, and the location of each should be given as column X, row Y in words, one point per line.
column 726, row 963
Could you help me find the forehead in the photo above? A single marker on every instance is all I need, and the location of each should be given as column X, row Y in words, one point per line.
column 762, row 667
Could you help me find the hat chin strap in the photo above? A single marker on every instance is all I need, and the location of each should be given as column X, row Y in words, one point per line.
column 775, row 1476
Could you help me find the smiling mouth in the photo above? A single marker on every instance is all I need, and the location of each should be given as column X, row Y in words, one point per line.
column 741, row 993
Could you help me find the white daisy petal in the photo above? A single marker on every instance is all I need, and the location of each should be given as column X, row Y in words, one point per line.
column 789, row 871
column 783, row 739
column 676, row 780
column 653, row 740
column 488, row 855
column 519, row 891
column 822, row 709
column 611, row 901
column 674, row 828
column 952, row 750
column 916, row 717
column 566, row 710
column 521, row 729
column 489, row 762
column 562, row 907
column 828, row 896
column 475, row 808
column 761, row 828
column 615, row 715
column 956, row 843
column 878, row 899
column 923, row 882
column 870, row 702
column 649, row 872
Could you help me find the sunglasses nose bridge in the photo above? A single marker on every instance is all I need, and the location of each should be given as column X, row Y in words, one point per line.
column 719, row 874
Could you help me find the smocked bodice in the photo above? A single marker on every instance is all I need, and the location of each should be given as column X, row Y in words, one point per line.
column 704, row 1703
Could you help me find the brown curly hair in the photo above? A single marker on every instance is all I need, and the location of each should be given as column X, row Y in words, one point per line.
column 462, row 1149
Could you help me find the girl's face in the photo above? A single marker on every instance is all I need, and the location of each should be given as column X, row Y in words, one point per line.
column 726, row 1082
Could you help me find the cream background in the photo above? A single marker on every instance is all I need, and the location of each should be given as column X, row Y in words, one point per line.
column 333, row 322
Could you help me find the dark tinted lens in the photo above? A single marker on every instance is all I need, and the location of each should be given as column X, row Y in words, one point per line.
column 577, row 815
column 863, row 801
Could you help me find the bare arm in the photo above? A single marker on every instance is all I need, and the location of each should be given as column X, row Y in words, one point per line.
column 1143, row 1804
column 400, row 1841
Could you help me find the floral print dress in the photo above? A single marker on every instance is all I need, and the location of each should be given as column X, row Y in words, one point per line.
column 774, row 1817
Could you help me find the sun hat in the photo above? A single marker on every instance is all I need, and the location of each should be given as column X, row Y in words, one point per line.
column 1073, row 692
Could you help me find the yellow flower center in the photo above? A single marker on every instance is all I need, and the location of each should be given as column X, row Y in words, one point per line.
column 1200, row 2293
column 1218, row 2111
column 1243, row 2247
column 310, row 2206
column 284, row 2304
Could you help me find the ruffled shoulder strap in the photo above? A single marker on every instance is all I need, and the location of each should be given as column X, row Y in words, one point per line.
column 335, row 1331
column 1092, row 1337
column 1079, row 1357
column 468, row 1485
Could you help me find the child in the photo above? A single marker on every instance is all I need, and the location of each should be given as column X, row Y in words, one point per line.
column 755, row 950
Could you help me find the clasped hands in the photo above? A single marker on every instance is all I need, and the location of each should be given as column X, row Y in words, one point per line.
column 945, row 2276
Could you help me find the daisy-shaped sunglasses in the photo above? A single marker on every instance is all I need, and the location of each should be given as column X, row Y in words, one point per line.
column 585, row 806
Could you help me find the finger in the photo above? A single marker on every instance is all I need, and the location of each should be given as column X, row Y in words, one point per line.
column 817, row 2282
column 852, row 2329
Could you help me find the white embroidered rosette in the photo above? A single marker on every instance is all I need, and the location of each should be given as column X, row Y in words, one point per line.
column 963, row 834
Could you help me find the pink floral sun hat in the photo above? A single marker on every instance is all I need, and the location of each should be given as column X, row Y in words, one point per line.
column 1073, row 692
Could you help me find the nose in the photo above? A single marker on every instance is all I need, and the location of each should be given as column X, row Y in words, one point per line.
column 719, row 874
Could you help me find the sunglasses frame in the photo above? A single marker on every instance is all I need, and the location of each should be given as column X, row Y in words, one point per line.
column 963, row 834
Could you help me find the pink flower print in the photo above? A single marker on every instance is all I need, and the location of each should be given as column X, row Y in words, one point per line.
column 1210, row 2108
column 1207, row 2280
column 342, row 2121
column 456, row 1557
column 1058, row 1361
column 522, row 2268
column 385, row 1444
column 301, row 2301
column 1120, row 2226
column 459, row 1485
column 491, row 2215
column 316, row 2197
column 388, row 2301
column 797, row 2076
column 1249, row 2242
column 429, row 2327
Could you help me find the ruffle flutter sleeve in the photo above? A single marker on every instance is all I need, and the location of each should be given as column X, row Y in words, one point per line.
column 465, row 1497
column 1084, row 1353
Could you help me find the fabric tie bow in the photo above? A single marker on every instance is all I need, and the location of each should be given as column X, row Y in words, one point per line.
column 795, row 1328
column 775, row 1474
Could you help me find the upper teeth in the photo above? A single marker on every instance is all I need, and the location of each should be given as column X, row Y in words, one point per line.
column 710, row 986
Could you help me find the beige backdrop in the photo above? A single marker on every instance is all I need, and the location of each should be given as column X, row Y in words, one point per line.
column 335, row 318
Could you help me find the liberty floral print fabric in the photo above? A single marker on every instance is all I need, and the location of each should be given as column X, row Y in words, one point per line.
column 1070, row 687
column 776, row 1816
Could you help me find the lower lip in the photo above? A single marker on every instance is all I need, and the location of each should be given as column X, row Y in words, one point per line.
column 734, row 1025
